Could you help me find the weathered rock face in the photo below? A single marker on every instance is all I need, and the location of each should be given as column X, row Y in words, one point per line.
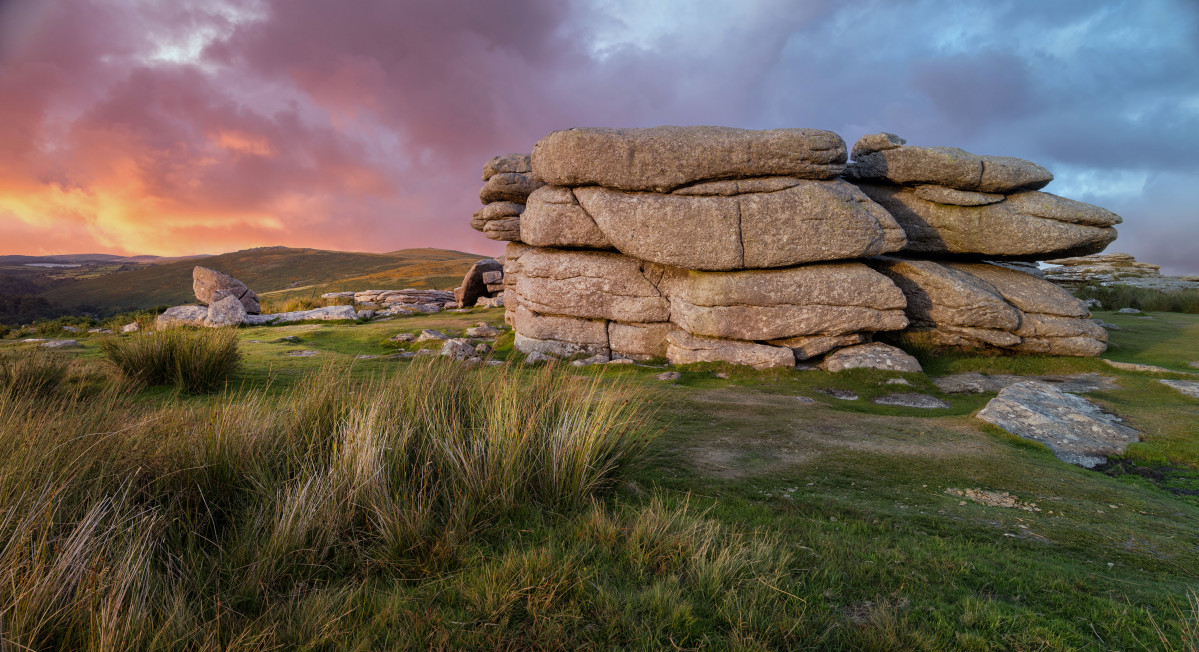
column 1026, row 225
column 475, row 284
column 519, row 163
column 554, row 218
column 589, row 284
column 806, row 222
column 229, row 311
column 685, row 348
column 638, row 341
column 661, row 159
column 871, row 356
column 829, row 299
column 211, row 286
column 508, row 184
column 885, row 157
column 982, row 305
column 1075, row 429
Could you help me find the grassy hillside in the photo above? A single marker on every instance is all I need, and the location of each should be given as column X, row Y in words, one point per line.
column 766, row 514
column 269, row 270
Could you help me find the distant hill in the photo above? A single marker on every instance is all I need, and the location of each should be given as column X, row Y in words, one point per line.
column 85, row 259
column 271, row 271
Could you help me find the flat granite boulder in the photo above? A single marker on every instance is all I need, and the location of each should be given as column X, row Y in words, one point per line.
column 508, row 186
column 1075, row 429
column 773, row 304
column 661, row 159
column 875, row 355
column 879, row 157
column 1188, row 387
column 182, row 316
column 1025, row 225
column 912, row 400
column 807, row 221
column 554, row 218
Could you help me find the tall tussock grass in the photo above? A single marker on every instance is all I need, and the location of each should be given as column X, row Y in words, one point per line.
column 240, row 521
column 31, row 374
column 193, row 360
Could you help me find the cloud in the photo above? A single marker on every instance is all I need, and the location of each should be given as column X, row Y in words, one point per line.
column 208, row 126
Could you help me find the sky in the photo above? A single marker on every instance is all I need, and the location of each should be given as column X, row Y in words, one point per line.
column 187, row 126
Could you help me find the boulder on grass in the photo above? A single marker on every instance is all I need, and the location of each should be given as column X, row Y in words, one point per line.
column 211, row 286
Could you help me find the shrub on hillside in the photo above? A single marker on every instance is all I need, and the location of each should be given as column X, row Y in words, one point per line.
column 29, row 374
column 1114, row 297
column 195, row 361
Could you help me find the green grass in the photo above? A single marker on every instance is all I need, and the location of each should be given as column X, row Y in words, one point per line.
column 752, row 520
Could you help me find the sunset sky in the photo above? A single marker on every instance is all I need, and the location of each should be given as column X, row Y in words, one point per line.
column 177, row 126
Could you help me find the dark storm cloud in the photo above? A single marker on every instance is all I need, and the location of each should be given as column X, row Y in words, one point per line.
column 178, row 126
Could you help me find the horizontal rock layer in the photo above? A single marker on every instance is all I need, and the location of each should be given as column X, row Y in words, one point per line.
column 979, row 305
column 1026, row 225
column 661, row 159
column 883, row 157
column 804, row 221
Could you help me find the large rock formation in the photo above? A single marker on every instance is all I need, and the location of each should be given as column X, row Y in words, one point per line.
column 210, row 286
column 715, row 244
column 507, row 185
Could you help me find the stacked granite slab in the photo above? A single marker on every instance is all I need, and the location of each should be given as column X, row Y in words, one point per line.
column 507, row 184
column 963, row 209
column 698, row 244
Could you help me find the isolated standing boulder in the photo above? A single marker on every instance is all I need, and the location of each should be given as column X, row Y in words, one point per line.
column 211, row 286
column 474, row 284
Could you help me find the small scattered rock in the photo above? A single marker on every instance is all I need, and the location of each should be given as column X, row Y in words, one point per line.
column 366, row 314
column 60, row 344
column 537, row 356
column 1188, row 387
column 1104, row 325
column 595, row 359
column 975, row 383
column 483, row 329
column 668, row 375
column 429, row 335
column 721, row 375
column 289, row 339
column 875, row 355
column 1129, row 311
column 365, row 356
column 483, row 348
column 70, row 329
column 1193, row 365
column 131, row 328
column 804, row 400
column 495, row 363
column 100, row 331
column 34, row 340
column 1093, row 304
column 843, row 394
column 912, row 400
column 993, row 499
column 402, row 337
column 303, row 353
column 620, row 361
column 1146, row 368
column 898, row 381
column 458, row 349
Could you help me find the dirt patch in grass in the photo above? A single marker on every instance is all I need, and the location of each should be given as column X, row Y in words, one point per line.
column 789, row 432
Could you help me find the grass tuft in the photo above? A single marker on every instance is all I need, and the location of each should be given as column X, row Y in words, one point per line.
column 195, row 361
column 31, row 374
